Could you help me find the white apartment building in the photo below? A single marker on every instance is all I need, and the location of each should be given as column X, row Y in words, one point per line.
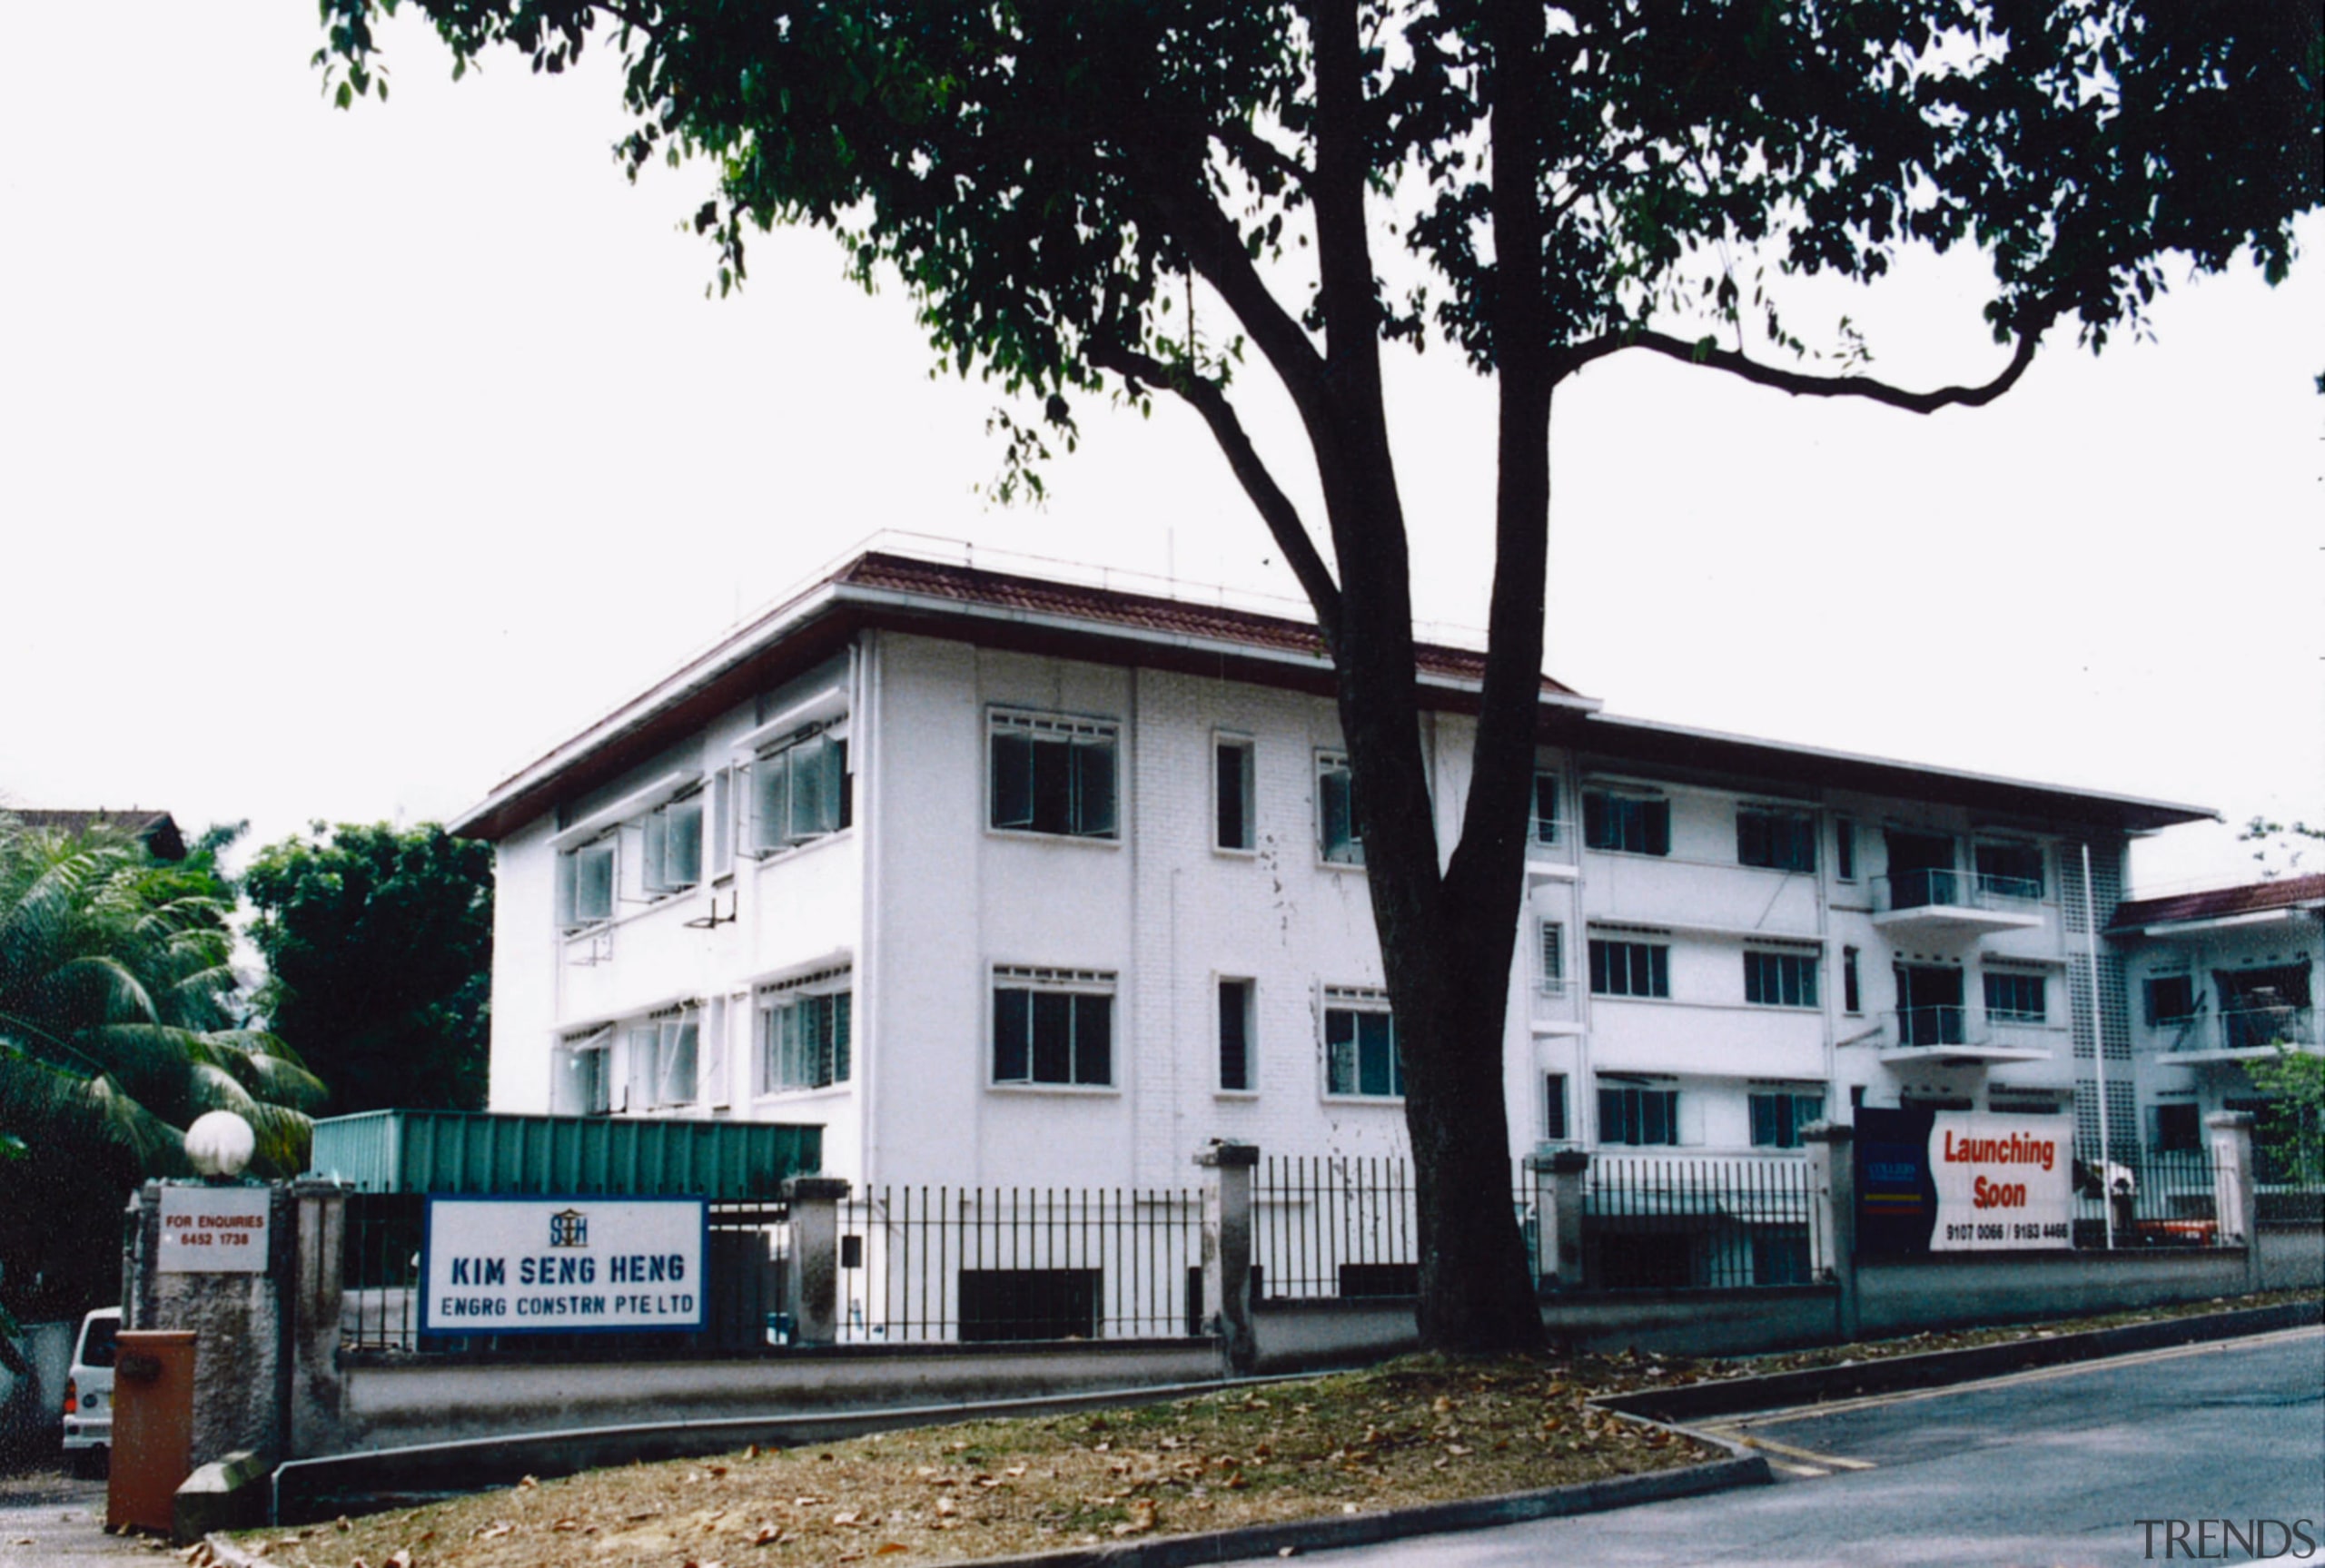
column 1008, row 881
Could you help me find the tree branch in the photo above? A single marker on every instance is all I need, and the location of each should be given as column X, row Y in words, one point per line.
column 1276, row 507
column 1802, row 384
column 1257, row 152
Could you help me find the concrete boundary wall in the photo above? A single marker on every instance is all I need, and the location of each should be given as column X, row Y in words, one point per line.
column 2291, row 1258
column 1958, row 1289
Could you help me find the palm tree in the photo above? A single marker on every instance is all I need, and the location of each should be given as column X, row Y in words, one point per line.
column 118, row 1025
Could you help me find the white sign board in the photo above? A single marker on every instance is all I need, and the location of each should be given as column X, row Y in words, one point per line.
column 2003, row 1182
column 214, row 1230
column 562, row 1265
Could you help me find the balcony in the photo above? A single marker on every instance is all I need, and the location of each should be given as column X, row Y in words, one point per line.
column 1945, row 1034
column 2246, row 1034
column 1944, row 905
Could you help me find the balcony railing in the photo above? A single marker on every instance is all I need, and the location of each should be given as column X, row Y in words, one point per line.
column 1934, row 887
column 2263, row 1028
column 1927, row 1026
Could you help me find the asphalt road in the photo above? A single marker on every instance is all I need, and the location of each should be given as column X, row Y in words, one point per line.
column 2048, row 1469
column 46, row 1516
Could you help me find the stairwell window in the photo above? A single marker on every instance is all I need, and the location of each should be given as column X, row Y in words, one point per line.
column 1780, row 840
column 1554, row 1117
column 1339, row 817
column 1551, row 979
column 1780, row 979
column 1627, row 824
column 1054, row 1027
column 804, row 1028
column 1236, row 1068
column 1546, row 807
column 1053, row 775
column 1629, row 968
column 798, row 791
column 1231, row 792
column 1360, row 1056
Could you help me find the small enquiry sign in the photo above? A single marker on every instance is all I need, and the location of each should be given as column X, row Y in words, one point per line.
column 2003, row 1182
column 562, row 1265
column 214, row 1230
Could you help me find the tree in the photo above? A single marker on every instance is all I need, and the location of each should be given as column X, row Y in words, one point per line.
column 1609, row 176
column 379, row 942
column 118, row 1024
column 2293, row 1129
column 2285, row 849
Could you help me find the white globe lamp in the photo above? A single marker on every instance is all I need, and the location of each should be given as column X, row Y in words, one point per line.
column 220, row 1144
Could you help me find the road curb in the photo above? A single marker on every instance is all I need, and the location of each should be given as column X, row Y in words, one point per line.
column 1742, row 1468
column 1936, row 1368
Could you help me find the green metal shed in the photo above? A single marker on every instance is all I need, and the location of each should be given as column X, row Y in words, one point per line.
column 482, row 1153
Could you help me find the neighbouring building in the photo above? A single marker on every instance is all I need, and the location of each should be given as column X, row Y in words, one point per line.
column 156, row 830
column 1006, row 880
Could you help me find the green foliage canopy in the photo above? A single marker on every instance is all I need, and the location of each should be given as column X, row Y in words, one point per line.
column 379, row 944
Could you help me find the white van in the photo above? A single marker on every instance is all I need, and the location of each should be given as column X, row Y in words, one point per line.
column 88, row 1393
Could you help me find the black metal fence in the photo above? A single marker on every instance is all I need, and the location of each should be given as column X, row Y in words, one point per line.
column 922, row 1264
column 1650, row 1221
column 2154, row 1197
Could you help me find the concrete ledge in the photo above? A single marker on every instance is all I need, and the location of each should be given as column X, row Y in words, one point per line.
column 229, row 1493
column 1936, row 1368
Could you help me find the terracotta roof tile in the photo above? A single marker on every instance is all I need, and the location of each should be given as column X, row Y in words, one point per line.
column 2215, row 903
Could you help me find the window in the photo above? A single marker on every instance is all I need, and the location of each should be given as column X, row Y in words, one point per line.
column 1843, row 849
column 806, row 1030
column 1553, row 972
column 2178, row 1128
column 2010, row 870
column 1631, row 824
column 662, row 1060
column 722, row 823
column 1053, row 775
column 1339, row 817
column 2171, row 998
column 798, row 792
column 1232, row 775
column 1852, row 999
column 672, row 861
column 1629, row 968
column 1546, row 807
column 1235, row 1074
column 1053, row 1026
column 1638, row 1116
column 1777, row 1119
column 587, row 877
column 584, row 1084
column 1784, row 839
column 1780, row 979
column 1361, row 1055
column 1553, row 1122
column 2015, row 999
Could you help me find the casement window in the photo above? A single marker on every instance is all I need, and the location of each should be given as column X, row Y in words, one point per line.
column 1781, row 840
column 805, row 1031
column 1053, row 775
column 672, row 861
column 1843, row 849
column 1340, row 815
column 1554, row 1116
column 1053, row 1026
column 1551, row 974
column 1237, row 1071
column 1777, row 1119
column 1629, row 968
column 583, row 1083
column 2012, row 998
column 1852, row 999
column 662, row 1060
column 796, row 791
column 1231, row 773
column 587, row 878
column 1638, row 1116
column 1780, row 979
column 1627, row 824
column 2009, row 870
column 2171, row 998
column 1361, row 1055
column 722, row 823
column 1546, row 807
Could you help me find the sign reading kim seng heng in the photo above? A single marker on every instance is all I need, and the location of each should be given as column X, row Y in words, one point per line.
column 562, row 1265
column 2003, row 1182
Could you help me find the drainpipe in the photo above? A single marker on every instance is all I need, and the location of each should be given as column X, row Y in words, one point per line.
column 2098, row 1045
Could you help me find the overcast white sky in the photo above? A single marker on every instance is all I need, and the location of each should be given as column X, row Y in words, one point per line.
column 349, row 461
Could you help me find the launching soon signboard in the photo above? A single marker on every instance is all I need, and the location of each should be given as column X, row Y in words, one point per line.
column 2003, row 1182
column 563, row 1265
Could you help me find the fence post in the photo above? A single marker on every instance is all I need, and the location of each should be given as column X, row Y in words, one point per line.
column 1558, row 1214
column 1832, row 1171
column 1227, row 1249
column 812, row 1282
column 317, row 1284
column 2235, row 1201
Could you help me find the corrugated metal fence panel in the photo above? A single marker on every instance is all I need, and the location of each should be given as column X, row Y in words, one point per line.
column 478, row 1152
